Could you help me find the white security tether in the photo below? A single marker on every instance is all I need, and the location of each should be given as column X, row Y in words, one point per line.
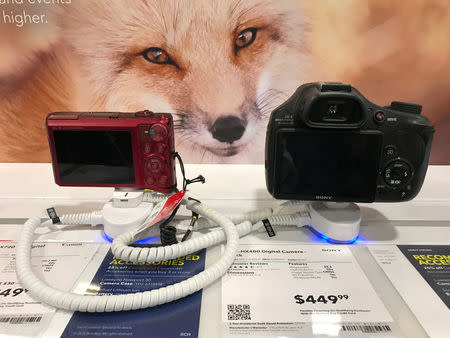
column 228, row 229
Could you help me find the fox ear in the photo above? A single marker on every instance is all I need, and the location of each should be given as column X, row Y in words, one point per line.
column 22, row 44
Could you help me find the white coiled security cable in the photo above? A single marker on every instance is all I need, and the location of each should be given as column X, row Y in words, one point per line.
column 252, row 216
column 70, row 301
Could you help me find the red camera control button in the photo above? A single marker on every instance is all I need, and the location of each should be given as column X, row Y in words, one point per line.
column 149, row 181
column 163, row 180
column 379, row 116
column 161, row 148
column 158, row 132
column 154, row 164
column 148, row 149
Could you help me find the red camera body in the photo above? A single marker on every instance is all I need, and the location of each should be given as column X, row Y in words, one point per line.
column 113, row 149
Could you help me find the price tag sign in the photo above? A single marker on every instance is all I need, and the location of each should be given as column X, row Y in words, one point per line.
column 302, row 299
column 300, row 290
column 58, row 264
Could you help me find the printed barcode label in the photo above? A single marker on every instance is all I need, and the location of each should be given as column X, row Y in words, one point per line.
column 21, row 319
column 239, row 312
column 367, row 328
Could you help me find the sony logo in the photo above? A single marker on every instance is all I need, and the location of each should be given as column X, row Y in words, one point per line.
column 319, row 197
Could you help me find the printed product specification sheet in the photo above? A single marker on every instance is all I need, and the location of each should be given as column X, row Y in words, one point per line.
column 58, row 264
column 296, row 290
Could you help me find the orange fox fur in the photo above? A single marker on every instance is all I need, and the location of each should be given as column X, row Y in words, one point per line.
column 90, row 58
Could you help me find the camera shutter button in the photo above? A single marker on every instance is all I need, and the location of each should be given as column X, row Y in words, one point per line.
column 144, row 113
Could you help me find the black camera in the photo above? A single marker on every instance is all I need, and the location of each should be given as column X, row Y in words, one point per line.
column 328, row 142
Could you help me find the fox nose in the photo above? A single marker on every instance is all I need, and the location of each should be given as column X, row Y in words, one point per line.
column 228, row 129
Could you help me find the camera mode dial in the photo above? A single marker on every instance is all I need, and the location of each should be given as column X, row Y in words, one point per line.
column 397, row 173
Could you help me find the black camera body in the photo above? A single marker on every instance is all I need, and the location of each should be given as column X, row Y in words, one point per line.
column 328, row 142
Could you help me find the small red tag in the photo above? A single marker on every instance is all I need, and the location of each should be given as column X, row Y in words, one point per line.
column 169, row 206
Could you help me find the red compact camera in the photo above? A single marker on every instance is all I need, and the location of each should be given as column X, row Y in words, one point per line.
column 94, row 149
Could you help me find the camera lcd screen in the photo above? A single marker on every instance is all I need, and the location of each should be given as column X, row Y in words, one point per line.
column 329, row 166
column 94, row 156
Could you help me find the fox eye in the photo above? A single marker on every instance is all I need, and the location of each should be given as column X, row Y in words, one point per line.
column 157, row 55
column 245, row 38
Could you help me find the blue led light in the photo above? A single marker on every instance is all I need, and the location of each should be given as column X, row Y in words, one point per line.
column 154, row 239
column 109, row 239
column 331, row 240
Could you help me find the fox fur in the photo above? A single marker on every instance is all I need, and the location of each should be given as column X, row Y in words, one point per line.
column 91, row 58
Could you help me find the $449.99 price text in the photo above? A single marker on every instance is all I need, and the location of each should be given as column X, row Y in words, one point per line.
column 12, row 292
column 333, row 299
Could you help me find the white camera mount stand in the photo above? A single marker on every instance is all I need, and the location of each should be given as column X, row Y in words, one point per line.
column 127, row 210
column 335, row 222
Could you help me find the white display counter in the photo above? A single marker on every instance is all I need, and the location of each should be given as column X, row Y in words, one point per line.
column 28, row 189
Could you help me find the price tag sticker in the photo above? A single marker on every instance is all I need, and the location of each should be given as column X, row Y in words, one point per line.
column 320, row 291
column 58, row 264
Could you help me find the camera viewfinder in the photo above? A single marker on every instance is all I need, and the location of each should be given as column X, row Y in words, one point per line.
column 336, row 111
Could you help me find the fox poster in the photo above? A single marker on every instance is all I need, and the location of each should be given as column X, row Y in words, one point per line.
column 219, row 66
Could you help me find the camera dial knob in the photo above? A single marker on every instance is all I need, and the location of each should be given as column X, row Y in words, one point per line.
column 397, row 173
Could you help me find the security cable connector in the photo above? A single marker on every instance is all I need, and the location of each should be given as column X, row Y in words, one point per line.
column 268, row 226
column 186, row 181
column 53, row 216
column 199, row 178
column 188, row 232
column 193, row 199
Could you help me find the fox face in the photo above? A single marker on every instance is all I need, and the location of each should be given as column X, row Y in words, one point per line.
column 220, row 66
